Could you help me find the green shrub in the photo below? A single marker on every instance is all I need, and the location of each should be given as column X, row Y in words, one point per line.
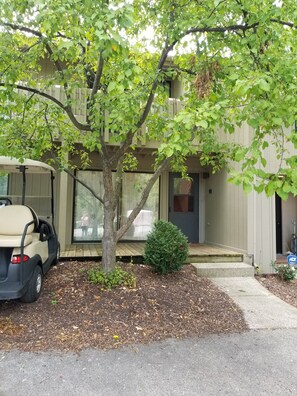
column 117, row 277
column 166, row 248
column 285, row 271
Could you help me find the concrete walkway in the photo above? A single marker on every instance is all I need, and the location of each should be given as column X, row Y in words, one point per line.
column 262, row 309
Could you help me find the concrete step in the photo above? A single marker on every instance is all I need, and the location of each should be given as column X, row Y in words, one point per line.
column 223, row 270
column 216, row 258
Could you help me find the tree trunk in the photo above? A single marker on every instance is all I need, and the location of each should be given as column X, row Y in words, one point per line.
column 109, row 240
column 109, row 243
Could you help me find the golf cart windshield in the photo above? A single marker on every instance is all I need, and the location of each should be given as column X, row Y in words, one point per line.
column 27, row 182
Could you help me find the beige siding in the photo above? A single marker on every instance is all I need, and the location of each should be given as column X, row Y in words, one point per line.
column 225, row 214
column 244, row 134
column 272, row 155
column 65, row 209
column 241, row 135
column 261, row 230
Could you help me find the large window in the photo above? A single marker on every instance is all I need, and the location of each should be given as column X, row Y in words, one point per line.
column 133, row 184
column 88, row 211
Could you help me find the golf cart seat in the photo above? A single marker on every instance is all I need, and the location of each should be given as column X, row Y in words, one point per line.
column 17, row 223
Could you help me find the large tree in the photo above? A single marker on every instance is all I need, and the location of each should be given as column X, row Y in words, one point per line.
column 236, row 59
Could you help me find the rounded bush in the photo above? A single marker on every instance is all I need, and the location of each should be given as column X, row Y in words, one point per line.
column 166, row 248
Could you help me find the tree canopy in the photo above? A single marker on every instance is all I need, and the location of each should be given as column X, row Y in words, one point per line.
column 236, row 60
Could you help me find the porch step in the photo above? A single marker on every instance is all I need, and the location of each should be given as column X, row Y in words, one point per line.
column 215, row 258
column 223, row 270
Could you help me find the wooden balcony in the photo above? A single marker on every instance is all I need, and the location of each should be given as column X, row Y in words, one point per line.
column 79, row 107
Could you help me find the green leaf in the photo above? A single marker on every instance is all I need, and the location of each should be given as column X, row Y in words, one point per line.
column 264, row 85
column 202, row 124
column 282, row 194
column 240, row 154
column 111, row 86
column 234, row 77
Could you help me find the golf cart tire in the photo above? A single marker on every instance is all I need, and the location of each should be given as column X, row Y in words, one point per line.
column 35, row 285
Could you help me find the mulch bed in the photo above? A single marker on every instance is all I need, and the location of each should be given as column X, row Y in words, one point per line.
column 287, row 291
column 73, row 314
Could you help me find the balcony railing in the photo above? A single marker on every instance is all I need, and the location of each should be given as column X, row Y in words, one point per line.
column 79, row 107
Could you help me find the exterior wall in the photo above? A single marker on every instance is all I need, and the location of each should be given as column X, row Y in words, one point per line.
column 272, row 156
column 64, row 211
column 225, row 213
column 261, row 231
column 202, row 205
column 260, row 214
column 243, row 222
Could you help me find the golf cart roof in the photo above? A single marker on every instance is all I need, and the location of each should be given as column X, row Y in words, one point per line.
column 12, row 165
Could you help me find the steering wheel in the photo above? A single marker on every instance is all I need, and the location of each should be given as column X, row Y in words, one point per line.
column 5, row 201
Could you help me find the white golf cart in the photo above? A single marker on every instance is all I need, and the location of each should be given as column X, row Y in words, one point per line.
column 28, row 242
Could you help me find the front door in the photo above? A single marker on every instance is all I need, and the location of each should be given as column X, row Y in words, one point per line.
column 183, row 204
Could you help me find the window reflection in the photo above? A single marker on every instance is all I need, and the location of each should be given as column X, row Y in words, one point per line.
column 133, row 184
column 183, row 200
column 88, row 211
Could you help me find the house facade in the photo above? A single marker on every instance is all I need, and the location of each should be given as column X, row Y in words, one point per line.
column 207, row 208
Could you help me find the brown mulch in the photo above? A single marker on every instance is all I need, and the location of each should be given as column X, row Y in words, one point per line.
column 73, row 314
column 287, row 291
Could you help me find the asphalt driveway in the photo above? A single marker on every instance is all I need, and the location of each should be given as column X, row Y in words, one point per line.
column 262, row 362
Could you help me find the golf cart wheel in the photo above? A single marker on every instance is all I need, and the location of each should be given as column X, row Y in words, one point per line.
column 35, row 286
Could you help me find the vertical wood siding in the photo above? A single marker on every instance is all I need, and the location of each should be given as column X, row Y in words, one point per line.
column 225, row 213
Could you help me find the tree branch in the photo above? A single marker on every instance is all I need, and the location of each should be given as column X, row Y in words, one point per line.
column 83, row 184
column 144, row 196
column 67, row 109
column 57, row 63
column 218, row 29
column 96, row 84
column 18, row 58
column 284, row 23
column 155, row 83
column 22, row 29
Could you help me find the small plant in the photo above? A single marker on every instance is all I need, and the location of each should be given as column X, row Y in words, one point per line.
column 54, row 300
column 166, row 248
column 285, row 271
column 117, row 277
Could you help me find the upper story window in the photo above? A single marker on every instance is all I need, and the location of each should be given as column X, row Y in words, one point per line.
column 168, row 85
